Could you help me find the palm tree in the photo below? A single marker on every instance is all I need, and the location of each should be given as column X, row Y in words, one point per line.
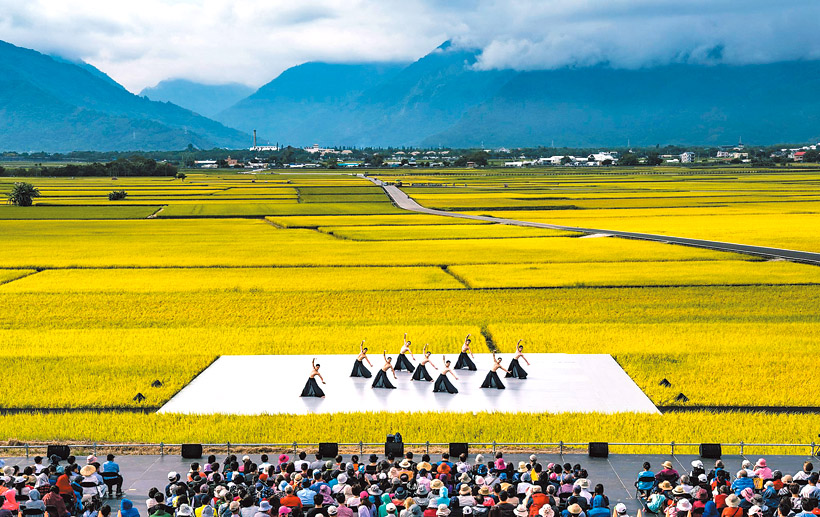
column 22, row 193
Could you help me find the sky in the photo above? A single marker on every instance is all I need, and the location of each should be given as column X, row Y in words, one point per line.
column 139, row 43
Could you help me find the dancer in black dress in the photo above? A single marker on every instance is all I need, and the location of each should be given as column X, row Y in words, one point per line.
column 515, row 370
column 443, row 384
column 381, row 380
column 312, row 388
column 359, row 369
column 402, row 363
column 492, row 380
column 421, row 373
column 464, row 361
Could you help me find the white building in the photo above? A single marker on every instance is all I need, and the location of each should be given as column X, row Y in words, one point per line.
column 687, row 157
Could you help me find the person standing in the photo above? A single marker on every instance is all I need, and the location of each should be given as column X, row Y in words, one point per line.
column 312, row 388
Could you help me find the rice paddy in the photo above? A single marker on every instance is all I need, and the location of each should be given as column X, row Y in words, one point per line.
column 157, row 288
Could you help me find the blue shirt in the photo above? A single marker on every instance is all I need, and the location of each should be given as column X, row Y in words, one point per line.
column 110, row 466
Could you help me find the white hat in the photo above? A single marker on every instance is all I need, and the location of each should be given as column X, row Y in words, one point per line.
column 331, row 510
column 521, row 511
column 755, row 510
column 390, row 507
column 620, row 508
column 684, row 505
column 184, row 511
column 264, row 505
column 702, row 478
column 172, row 475
column 443, row 510
column 246, row 458
column 697, row 464
column 342, row 478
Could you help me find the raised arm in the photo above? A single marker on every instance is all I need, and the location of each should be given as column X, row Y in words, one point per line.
column 385, row 355
column 361, row 347
column 313, row 363
column 424, row 350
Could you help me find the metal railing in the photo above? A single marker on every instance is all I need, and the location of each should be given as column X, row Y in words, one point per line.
column 294, row 447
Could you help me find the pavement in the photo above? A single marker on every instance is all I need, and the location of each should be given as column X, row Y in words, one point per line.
column 617, row 473
column 404, row 201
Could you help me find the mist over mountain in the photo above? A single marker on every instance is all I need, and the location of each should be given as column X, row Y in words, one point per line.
column 49, row 104
column 205, row 99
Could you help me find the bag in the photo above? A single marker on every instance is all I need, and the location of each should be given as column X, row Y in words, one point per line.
column 758, row 483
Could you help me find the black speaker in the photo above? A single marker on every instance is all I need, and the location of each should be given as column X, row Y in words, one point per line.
column 391, row 438
column 394, row 448
column 328, row 450
column 61, row 451
column 598, row 449
column 191, row 451
column 710, row 451
column 457, row 449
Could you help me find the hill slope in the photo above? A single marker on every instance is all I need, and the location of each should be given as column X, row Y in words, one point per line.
column 205, row 99
column 49, row 104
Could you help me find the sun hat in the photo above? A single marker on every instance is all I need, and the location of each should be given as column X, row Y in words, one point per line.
column 184, row 511
column 546, row 511
column 747, row 494
column 522, row 467
column 234, row 506
column 436, row 484
column 702, row 478
column 264, row 505
column 405, row 463
column 284, row 510
column 620, row 508
column 374, row 490
column 679, row 490
column 479, row 458
column 425, row 466
column 464, row 490
column 484, row 490
column 667, row 464
column 172, row 475
column 88, row 470
column 755, row 510
column 467, row 510
column 283, row 458
column 401, row 493
column 697, row 464
column 583, row 483
column 533, row 458
column 331, row 510
column 464, row 478
column 91, row 459
column 574, row 509
column 761, row 463
column 521, row 511
column 442, row 510
column 746, row 464
column 505, row 486
column 684, row 505
column 665, row 485
column 732, row 501
column 422, row 491
column 342, row 479
column 390, row 507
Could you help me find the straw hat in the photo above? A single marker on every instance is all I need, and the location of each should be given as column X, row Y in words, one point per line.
column 665, row 485
column 484, row 490
column 88, row 470
column 436, row 484
column 667, row 464
column 443, row 510
column 732, row 501
column 425, row 466
column 405, row 463
column 678, row 490
column 522, row 467
column 574, row 509
column 583, row 483
column 464, row 490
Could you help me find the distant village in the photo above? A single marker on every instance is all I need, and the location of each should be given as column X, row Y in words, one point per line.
column 315, row 156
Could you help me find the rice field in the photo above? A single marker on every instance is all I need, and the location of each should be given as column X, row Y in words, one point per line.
column 294, row 263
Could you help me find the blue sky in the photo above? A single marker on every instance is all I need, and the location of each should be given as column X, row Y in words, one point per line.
column 142, row 42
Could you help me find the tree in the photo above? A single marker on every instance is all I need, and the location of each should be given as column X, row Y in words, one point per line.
column 377, row 160
column 181, row 176
column 565, row 160
column 629, row 159
column 653, row 159
column 117, row 195
column 810, row 156
column 22, row 193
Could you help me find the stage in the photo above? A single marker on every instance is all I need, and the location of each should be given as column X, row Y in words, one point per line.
column 271, row 384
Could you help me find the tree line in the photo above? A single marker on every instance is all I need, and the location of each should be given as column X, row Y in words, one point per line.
column 132, row 166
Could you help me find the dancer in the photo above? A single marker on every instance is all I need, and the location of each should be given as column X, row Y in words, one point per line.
column 312, row 388
column 443, row 384
column 359, row 369
column 492, row 380
column 421, row 373
column 381, row 380
column 464, row 362
column 402, row 363
column 515, row 369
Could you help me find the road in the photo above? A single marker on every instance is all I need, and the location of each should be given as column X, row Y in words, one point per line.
column 404, row 201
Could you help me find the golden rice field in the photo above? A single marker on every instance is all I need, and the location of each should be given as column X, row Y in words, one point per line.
column 102, row 299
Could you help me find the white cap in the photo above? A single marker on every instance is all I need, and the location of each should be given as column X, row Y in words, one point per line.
column 620, row 508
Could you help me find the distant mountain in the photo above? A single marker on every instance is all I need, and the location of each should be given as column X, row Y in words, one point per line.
column 677, row 104
column 308, row 103
column 49, row 104
column 205, row 99
column 442, row 100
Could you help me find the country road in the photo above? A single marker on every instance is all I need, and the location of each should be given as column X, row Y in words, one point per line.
column 404, row 201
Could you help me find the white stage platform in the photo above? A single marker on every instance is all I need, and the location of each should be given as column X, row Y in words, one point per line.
column 557, row 383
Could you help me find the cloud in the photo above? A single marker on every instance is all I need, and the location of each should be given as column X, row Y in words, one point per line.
column 142, row 42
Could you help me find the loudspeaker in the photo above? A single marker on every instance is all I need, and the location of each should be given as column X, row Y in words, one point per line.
column 598, row 449
column 329, row 450
column 191, row 451
column 396, row 448
column 457, row 449
column 391, row 438
column 710, row 450
column 61, row 451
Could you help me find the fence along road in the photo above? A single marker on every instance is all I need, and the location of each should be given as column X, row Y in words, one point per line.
column 404, row 201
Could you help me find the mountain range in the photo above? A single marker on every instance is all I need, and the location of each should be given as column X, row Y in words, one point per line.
column 442, row 99
column 51, row 104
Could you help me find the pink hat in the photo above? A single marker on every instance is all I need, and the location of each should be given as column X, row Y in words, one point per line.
column 283, row 458
column 284, row 510
column 363, row 495
column 747, row 493
column 761, row 462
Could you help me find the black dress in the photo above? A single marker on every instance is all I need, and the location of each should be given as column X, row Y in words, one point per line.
column 359, row 370
column 492, row 381
column 404, row 364
column 421, row 374
column 465, row 363
column 515, row 370
column 312, row 389
column 443, row 385
column 381, row 381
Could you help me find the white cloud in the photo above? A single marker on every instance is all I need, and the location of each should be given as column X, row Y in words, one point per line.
column 142, row 42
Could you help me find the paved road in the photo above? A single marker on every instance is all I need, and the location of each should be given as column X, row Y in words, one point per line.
column 406, row 202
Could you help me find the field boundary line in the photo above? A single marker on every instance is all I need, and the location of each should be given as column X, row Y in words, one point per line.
column 156, row 213
column 488, row 338
column 458, row 278
column 20, row 277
